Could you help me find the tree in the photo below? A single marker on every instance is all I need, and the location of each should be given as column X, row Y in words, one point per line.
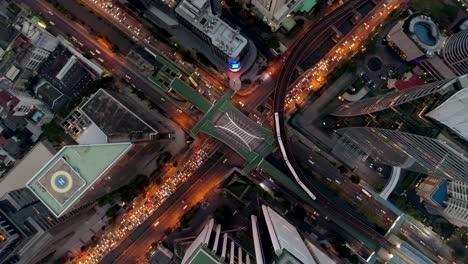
column 223, row 214
column 299, row 212
column 167, row 231
column 246, row 81
column 355, row 179
column 106, row 82
column 155, row 245
column 135, row 188
column 342, row 169
column 165, row 157
column 53, row 131
column 273, row 42
column 204, row 60
column 112, row 212
column 31, row 83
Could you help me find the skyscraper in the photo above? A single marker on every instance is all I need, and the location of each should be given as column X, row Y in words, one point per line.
column 418, row 144
column 446, row 198
column 29, row 233
column 455, row 52
column 80, row 174
column 275, row 11
column 275, row 240
column 405, row 150
column 453, row 113
column 456, row 211
column 396, row 98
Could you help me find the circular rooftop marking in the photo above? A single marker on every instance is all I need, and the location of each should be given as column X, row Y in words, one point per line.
column 61, row 181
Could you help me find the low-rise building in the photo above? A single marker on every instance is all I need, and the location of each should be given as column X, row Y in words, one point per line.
column 41, row 42
column 66, row 72
column 106, row 117
column 17, row 103
column 50, row 95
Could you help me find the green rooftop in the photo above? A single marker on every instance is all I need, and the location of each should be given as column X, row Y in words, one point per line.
column 67, row 176
column 203, row 257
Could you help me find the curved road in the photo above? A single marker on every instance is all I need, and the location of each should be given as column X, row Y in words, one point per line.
column 299, row 51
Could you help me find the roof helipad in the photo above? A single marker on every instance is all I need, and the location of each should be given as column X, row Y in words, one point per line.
column 67, row 176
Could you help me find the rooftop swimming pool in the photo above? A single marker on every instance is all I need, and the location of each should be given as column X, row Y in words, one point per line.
column 441, row 194
column 424, row 34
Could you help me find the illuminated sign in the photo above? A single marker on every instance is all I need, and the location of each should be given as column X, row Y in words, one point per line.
column 234, row 65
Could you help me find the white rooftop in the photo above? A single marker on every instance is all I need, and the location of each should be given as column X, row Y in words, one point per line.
column 285, row 236
column 21, row 173
column 92, row 135
column 199, row 14
column 454, row 111
column 39, row 37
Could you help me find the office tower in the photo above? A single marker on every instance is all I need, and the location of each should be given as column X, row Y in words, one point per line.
column 212, row 246
column 275, row 11
column 455, row 52
column 80, row 174
column 453, row 113
column 270, row 232
column 399, row 97
column 446, row 198
column 456, row 211
column 423, row 148
column 226, row 42
column 405, row 150
column 29, row 233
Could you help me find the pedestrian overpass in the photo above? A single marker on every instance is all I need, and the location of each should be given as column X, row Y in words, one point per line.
column 226, row 123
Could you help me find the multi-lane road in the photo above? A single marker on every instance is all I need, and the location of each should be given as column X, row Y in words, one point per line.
column 153, row 230
column 299, row 51
column 312, row 38
column 119, row 65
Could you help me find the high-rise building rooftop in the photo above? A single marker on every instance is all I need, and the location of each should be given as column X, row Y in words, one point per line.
column 71, row 172
column 219, row 33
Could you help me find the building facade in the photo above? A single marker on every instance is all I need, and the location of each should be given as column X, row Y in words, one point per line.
column 42, row 43
column 271, row 232
column 456, row 211
column 275, row 11
column 396, row 98
column 226, row 42
column 455, row 52
column 405, row 150
column 31, row 233
column 453, row 113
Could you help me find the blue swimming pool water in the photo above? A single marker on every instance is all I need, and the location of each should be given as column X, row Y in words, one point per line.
column 37, row 116
column 423, row 32
column 441, row 194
